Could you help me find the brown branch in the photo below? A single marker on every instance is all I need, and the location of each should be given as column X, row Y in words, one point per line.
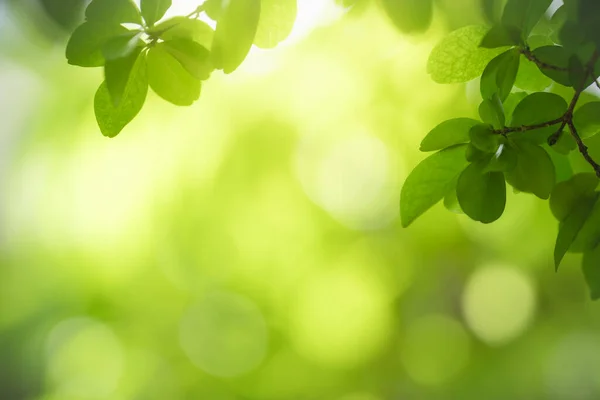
column 524, row 128
column 583, row 148
column 526, row 51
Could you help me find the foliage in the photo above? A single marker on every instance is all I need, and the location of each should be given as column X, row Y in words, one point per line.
column 526, row 131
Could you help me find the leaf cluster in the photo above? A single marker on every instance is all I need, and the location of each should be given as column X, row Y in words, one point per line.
column 139, row 48
column 525, row 132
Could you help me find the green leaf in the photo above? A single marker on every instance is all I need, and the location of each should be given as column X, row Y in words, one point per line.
column 429, row 182
column 451, row 201
column 169, row 79
column 504, row 160
column 121, row 45
column 481, row 194
column 192, row 56
column 567, row 194
column 538, row 108
column 154, row 10
column 185, row 28
column 276, row 22
column 235, row 33
column 113, row 12
column 458, row 57
column 587, row 119
column 409, row 16
column 524, row 14
column 492, row 112
column 474, row 154
column 499, row 75
column 529, row 76
column 483, row 137
column 511, row 103
column 591, row 271
column 112, row 119
column 534, row 171
column 570, row 227
column 555, row 56
column 116, row 75
column 214, row 8
column 448, row 133
column 501, row 36
column 85, row 45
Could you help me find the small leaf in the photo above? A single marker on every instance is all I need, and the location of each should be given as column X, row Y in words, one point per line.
column 591, row 271
column 192, row 56
column 116, row 75
column 481, row 195
column 458, row 57
column 153, row 10
column 169, row 79
column 570, row 227
column 429, row 182
column 492, row 112
column 483, row 137
column 534, row 171
column 85, row 45
column 499, row 75
column 567, row 194
column 121, row 45
column 276, row 22
column 587, row 119
column 185, row 28
column 409, row 16
column 113, row 12
column 235, row 33
column 448, row 133
column 535, row 109
column 112, row 119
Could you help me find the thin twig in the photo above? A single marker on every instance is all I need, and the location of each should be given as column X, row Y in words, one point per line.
column 583, row 148
column 525, row 128
column 526, row 51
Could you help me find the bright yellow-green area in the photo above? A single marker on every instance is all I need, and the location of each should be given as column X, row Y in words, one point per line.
column 249, row 247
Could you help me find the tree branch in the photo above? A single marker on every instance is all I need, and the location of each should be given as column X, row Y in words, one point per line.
column 583, row 148
column 524, row 128
column 526, row 51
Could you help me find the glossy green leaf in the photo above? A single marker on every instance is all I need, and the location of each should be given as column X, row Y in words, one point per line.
column 121, row 45
column 491, row 112
column 277, row 19
column 499, row 75
column 192, row 56
column 116, row 74
column 483, row 137
column 154, row 10
column 556, row 57
column 85, row 45
column 458, row 57
column 587, row 119
column 185, row 28
column 591, row 271
column 448, row 133
column 409, row 15
column 524, row 14
column 534, row 171
column 567, row 194
column 112, row 119
column 570, row 227
column 169, row 79
column 429, row 182
column 538, row 108
column 113, row 12
column 481, row 194
column 235, row 33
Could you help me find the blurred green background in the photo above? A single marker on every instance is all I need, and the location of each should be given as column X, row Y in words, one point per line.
column 249, row 247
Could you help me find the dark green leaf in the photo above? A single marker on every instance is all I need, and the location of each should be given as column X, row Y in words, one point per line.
column 276, row 22
column 483, row 137
column 113, row 12
column 501, row 36
column 555, row 61
column 534, row 171
column 591, row 271
column 499, row 75
column 153, row 10
column 589, row 235
column 169, row 79
column 192, row 56
column 409, row 15
column 112, row 119
column 86, row 43
column 116, row 75
column 458, row 57
column 121, row 45
column 587, row 119
column 569, row 229
column 481, row 195
column 448, row 133
column 567, row 194
column 492, row 112
column 524, row 14
column 474, row 154
column 538, row 108
column 504, row 160
column 511, row 103
column 235, row 33
column 429, row 182
column 185, row 28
